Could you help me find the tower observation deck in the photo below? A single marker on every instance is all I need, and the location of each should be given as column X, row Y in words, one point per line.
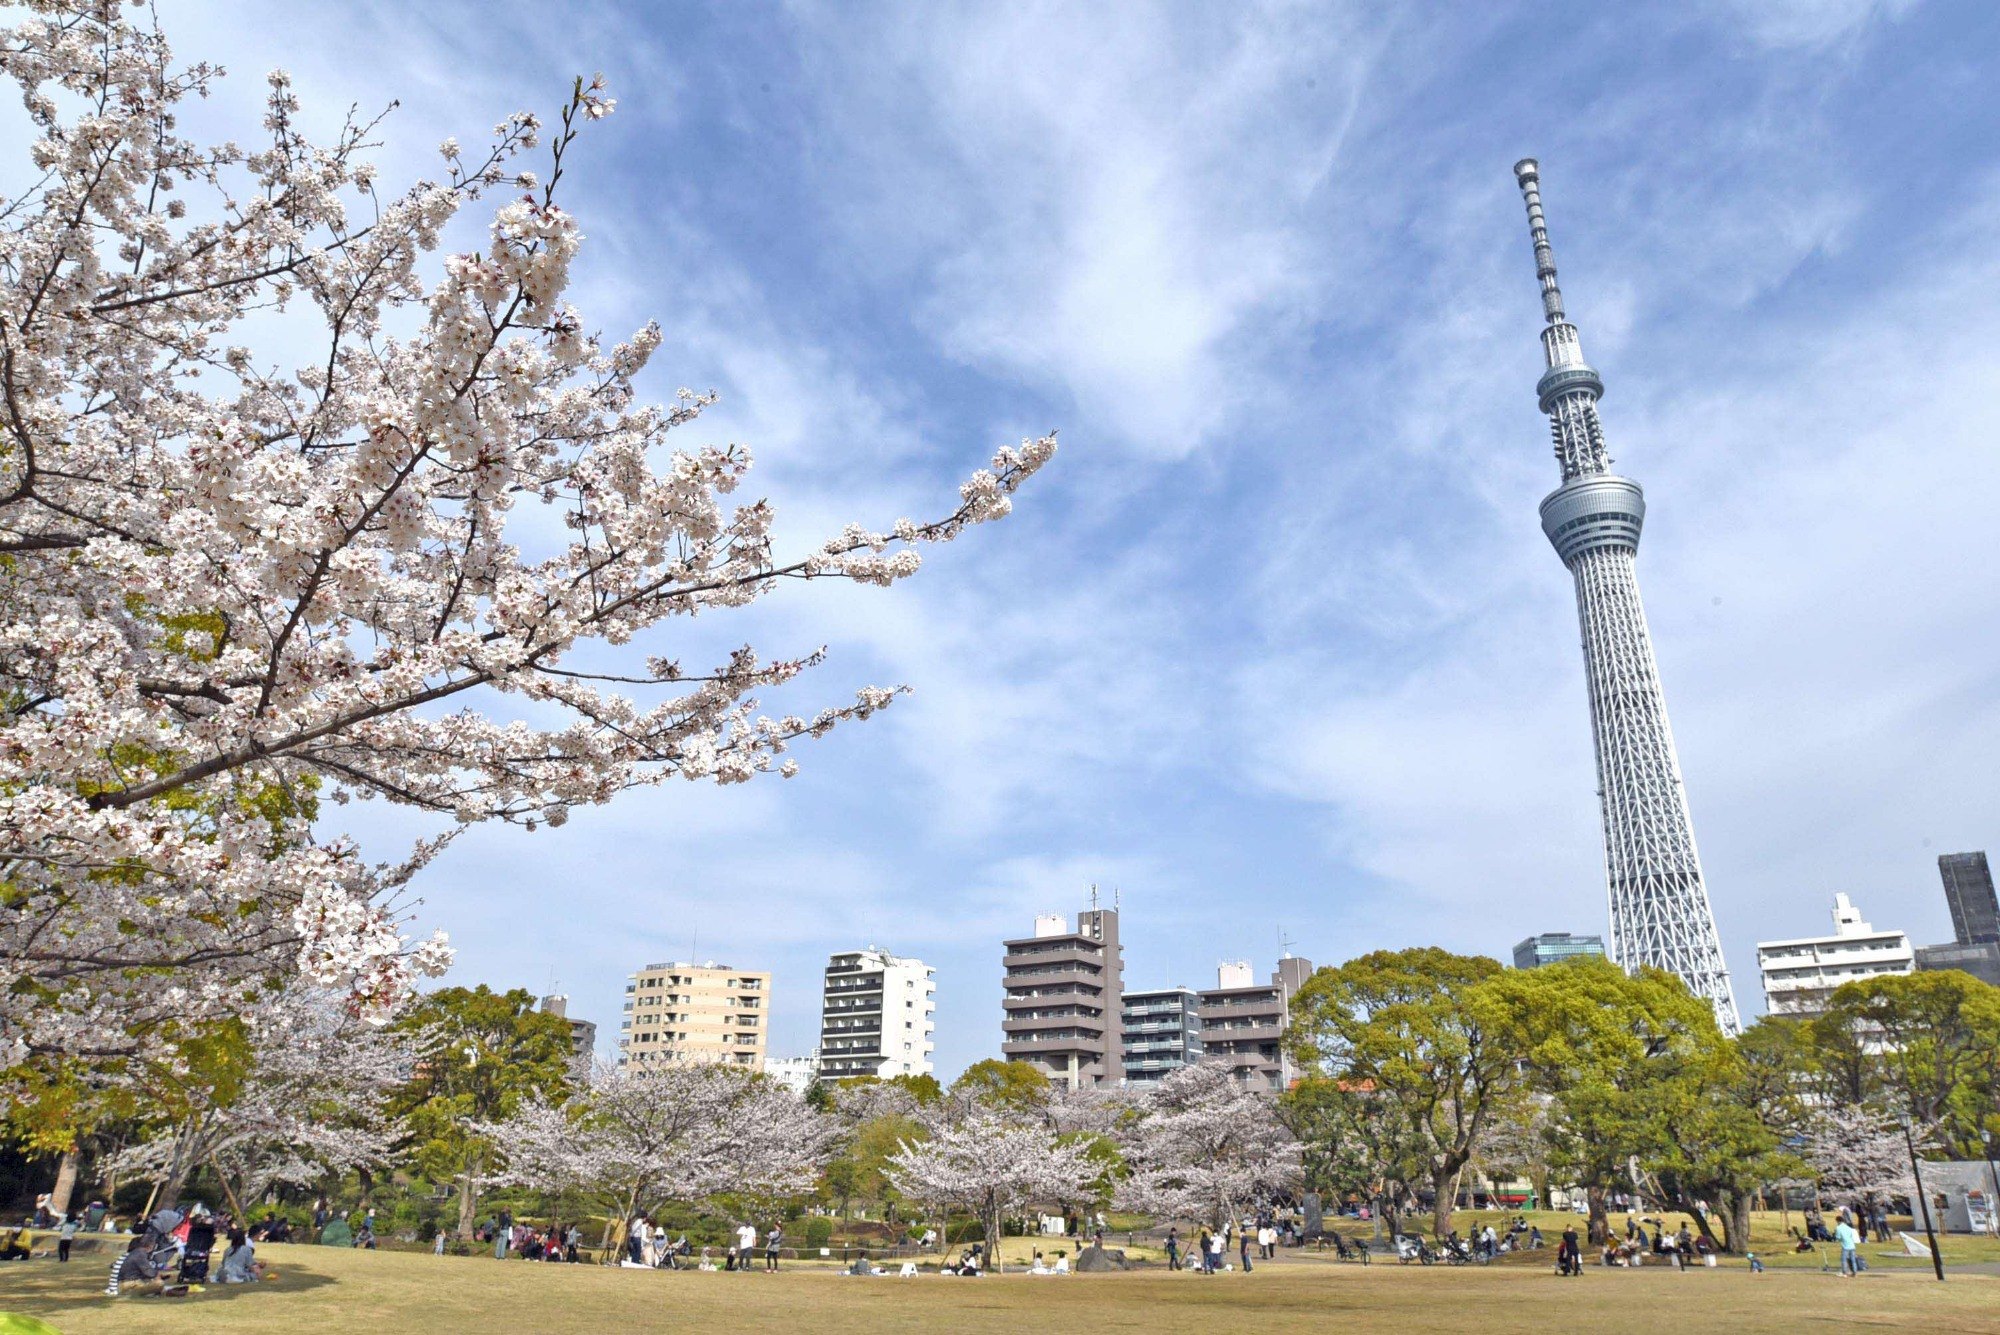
column 1660, row 913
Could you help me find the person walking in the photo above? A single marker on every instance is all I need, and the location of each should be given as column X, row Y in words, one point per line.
column 773, row 1240
column 1173, row 1248
column 1849, row 1240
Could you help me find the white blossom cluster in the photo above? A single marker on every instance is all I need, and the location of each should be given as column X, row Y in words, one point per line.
column 235, row 590
column 1855, row 1151
column 992, row 1165
column 310, row 1104
column 634, row 1138
column 1205, row 1147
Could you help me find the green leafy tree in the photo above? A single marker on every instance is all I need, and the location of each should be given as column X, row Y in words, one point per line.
column 1596, row 1043
column 861, row 1168
column 481, row 1053
column 1413, row 1028
column 1350, row 1149
column 1932, row 1047
column 1002, row 1086
column 1712, row 1140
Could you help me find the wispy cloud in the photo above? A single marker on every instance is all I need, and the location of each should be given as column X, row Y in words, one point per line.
column 1277, row 640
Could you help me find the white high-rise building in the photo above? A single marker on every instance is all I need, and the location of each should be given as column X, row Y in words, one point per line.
column 794, row 1073
column 1660, row 913
column 877, row 1016
column 1799, row 975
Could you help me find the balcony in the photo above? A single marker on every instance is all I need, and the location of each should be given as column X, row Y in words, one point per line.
column 1080, row 953
column 1030, row 1046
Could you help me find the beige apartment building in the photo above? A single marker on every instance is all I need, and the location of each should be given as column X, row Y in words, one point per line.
column 695, row 1013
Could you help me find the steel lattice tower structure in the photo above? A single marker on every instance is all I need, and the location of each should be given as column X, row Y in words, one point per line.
column 1660, row 913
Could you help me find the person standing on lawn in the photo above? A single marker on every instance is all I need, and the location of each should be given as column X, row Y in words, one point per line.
column 1849, row 1240
column 1173, row 1248
column 773, row 1240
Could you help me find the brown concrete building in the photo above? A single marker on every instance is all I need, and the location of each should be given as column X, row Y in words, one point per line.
column 1243, row 1022
column 695, row 1013
column 1062, row 998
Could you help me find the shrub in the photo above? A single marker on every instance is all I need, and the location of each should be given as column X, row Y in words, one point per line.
column 819, row 1231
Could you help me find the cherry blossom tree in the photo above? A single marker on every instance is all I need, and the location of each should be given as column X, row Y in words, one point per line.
column 295, row 1093
column 1204, row 1147
column 426, row 566
column 1856, row 1152
column 639, row 1136
column 991, row 1166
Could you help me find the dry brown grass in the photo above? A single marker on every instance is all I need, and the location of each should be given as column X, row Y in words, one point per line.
column 388, row 1292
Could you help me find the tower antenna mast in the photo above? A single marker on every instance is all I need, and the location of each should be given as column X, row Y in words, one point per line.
column 1660, row 912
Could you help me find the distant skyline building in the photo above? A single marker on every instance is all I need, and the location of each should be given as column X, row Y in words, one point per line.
column 1981, row 959
column 1549, row 947
column 1799, row 975
column 582, row 1033
column 1975, row 920
column 1968, row 891
column 877, row 1015
column 1162, row 1033
column 794, row 1073
column 682, row 1012
column 1660, row 913
column 1243, row 1021
column 1062, row 998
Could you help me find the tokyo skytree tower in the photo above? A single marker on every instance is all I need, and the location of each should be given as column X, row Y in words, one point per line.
column 1659, row 902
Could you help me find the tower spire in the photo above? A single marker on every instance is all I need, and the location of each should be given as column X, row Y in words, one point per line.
column 1528, row 173
column 1660, row 913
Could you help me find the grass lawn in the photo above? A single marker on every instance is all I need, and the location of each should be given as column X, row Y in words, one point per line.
column 387, row 1292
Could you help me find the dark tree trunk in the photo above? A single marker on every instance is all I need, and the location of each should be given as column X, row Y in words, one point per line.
column 1600, row 1215
column 1443, row 1181
column 1739, row 1222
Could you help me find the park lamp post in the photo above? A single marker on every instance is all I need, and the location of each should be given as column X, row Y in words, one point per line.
column 1917, row 1176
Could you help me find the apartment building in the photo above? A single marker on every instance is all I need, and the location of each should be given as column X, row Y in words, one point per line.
column 582, row 1033
column 1061, row 1004
column 695, row 1013
column 1800, row 974
column 1161, row 1033
column 794, row 1073
column 1243, row 1022
column 877, row 1015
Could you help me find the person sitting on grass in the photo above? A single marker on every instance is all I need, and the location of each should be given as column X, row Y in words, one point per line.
column 134, row 1272
column 240, row 1264
column 13, row 1249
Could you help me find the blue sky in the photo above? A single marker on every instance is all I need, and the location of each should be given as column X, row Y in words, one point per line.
column 1276, row 644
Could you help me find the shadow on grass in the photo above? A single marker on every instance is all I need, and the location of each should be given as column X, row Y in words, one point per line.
column 49, row 1289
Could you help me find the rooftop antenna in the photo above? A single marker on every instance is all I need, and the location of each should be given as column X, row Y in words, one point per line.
column 1284, row 945
column 1093, row 896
